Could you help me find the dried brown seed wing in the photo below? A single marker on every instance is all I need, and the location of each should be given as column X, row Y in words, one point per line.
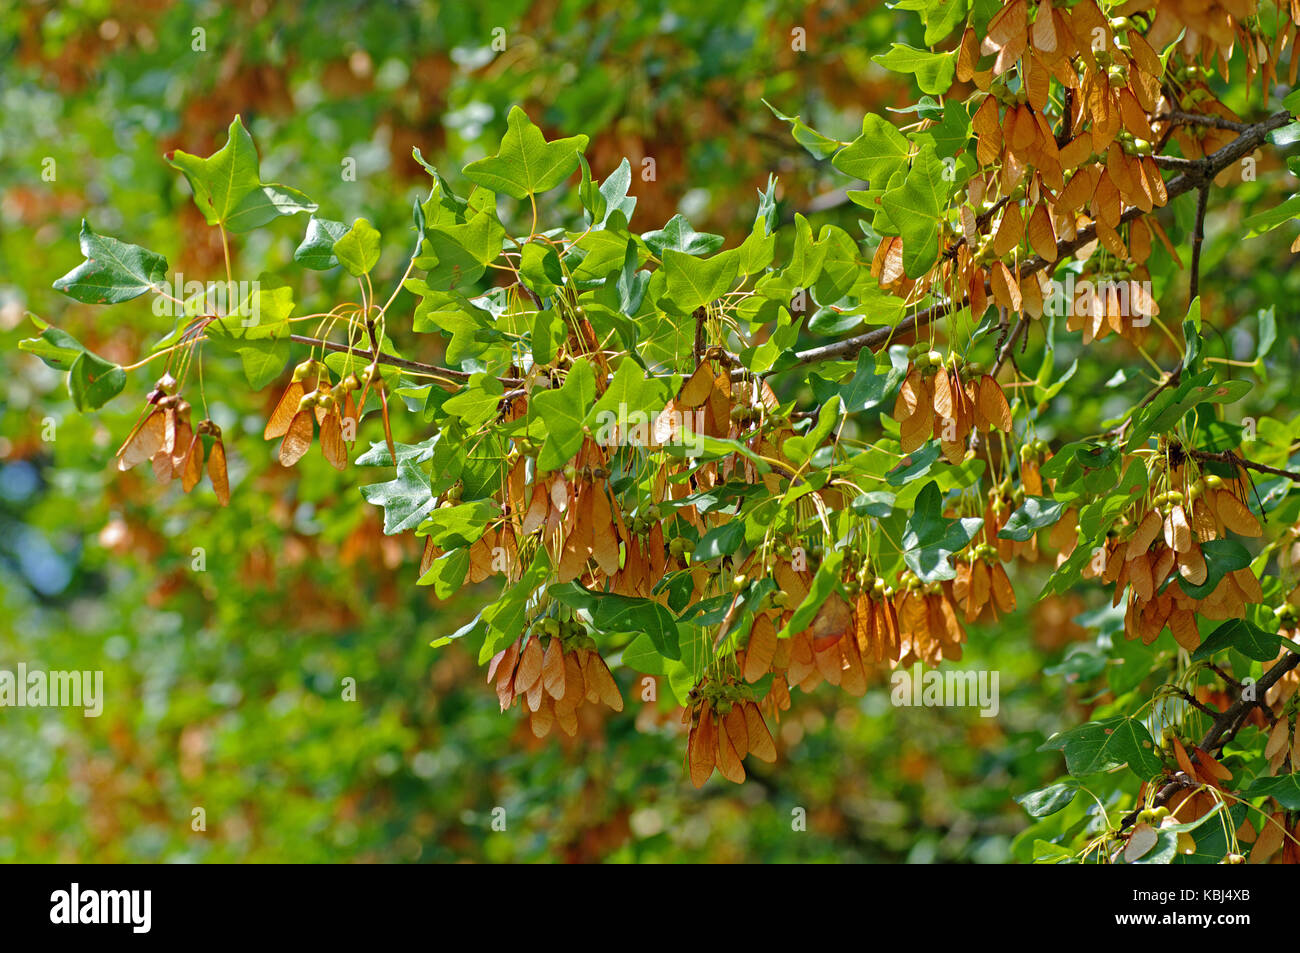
column 529, row 671
column 704, row 755
column 1191, row 565
column 1182, row 623
column 605, row 684
column 297, row 439
column 1145, row 534
column 1236, row 515
column 1211, row 764
column 737, row 730
column 553, row 669
column 1010, row 230
column 1042, row 235
column 993, row 404
column 1184, row 762
column 504, row 661
column 575, row 687
column 144, row 443
column 542, row 718
column 943, row 394
column 1003, row 592
column 217, row 472
column 604, row 542
column 277, row 425
column 191, row 465
column 760, row 739
column 728, row 758
column 331, row 441
column 697, row 388
column 761, row 649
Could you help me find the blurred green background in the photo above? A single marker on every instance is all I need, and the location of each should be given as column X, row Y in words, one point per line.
column 225, row 634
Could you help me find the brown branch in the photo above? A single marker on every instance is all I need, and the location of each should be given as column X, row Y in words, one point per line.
column 392, row 361
column 1198, row 237
column 1199, row 119
column 1227, row 456
column 1198, row 173
column 701, row 315
column 1236, row 713
column 1225, row 726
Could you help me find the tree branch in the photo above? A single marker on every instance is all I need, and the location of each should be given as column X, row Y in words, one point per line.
column 1227, row 456
column 1198, row 237
column 392, row 361
column 1197, row 173
column 1225, row 726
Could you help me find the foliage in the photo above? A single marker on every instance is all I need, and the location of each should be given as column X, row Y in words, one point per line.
column 739, row 465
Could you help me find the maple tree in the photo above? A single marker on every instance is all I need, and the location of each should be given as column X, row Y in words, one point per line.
column 615, row 450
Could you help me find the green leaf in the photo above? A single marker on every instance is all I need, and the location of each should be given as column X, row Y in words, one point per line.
column 1037, row 512
column 693, row 282
column 934, row 72
column 1285, row 789
column 317, row 248
column 931, row 538
column 600, row 203
column 800, row 448
column 113, row 271
column 358, row 249
column 228, row 187
column 877, row 503
column 875, row 155
column 457, row 255
column 642, row 656
column 941, row 17
column 406, row 499
column 446, row 573
column 823, row 147
column 722, row 540
column 631, row 392
column 1244, row 636
column 678, row 235
column 868, row 389
column 564, row 411
column 93, row 381
column 477, row 402
column 1101, row 746
column 917, row 206
column 459, row 525
column 526, row 163
column 1049, row 800
column 58, row 349
column 540, row 268
column 615, row 613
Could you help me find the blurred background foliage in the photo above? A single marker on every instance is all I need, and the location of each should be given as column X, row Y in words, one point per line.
column 225, row 635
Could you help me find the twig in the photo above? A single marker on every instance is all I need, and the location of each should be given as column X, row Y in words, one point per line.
column 1227, row 456
column 1196, row 174
column 392, row 361
column 1199, row 119
column 1225, row 726
column 1197, row 703
column 1198, row 237
column 1239, row 709
column 701, row 315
